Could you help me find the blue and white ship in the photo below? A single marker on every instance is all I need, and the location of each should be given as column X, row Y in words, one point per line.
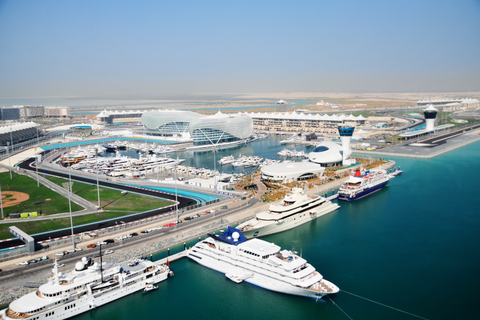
column 260, row 263
column 362, row 184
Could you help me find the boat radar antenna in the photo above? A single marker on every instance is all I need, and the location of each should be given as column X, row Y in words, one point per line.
column 55, row 273
column 235, row 236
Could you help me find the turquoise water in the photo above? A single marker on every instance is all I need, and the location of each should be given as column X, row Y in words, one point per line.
column 198, row 196
column 412, row 246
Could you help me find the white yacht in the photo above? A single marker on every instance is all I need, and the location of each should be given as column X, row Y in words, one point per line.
column 226, row 160
column 295, row 209
column 86, row 287
column 293, row 139
column 260, row 263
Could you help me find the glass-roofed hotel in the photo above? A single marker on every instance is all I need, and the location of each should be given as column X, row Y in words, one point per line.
column 216, row 130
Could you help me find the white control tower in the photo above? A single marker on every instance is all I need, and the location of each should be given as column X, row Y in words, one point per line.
column 346, row 133
column 430, row 114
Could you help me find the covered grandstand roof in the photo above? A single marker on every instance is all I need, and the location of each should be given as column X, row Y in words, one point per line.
column 78, row 125
column 303, row 116
column 106, row 113
column 17, row 127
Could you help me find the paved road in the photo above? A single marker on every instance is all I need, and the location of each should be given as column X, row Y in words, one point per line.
column 182, row 203
column 33, row 271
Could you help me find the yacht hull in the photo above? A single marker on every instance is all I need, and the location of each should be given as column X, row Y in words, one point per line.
column 363, row 193
column 289, row 222
column 251, row 274
column 88, row 302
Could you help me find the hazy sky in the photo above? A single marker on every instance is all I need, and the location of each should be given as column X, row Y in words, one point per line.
column 148, row 48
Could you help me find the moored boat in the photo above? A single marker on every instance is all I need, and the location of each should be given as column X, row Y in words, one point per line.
column 361, row 184
column 87, row 286
column 262, row 263
column 294, row 210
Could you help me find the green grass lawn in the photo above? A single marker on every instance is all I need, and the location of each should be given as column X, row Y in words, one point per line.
column 47, row 202
column 111, row 199
column 42, row 199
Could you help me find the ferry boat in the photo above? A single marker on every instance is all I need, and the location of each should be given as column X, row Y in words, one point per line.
column 294, row 210
column 260, row 263
column 84, row 288
column 361, row 184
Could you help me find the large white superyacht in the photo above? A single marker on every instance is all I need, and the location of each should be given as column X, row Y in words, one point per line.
column 260, row 263
column 295, row 209
column 86, row 287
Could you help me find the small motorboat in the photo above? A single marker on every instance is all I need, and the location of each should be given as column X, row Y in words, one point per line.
column 150, row 287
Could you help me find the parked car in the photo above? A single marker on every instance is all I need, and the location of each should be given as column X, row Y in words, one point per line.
column 223, row 207
column 59, row 254
column 61, row 265
column 78, row 249
column 171, row 224
column 187, row 218
column 91, row 245
column 109, row 252
column 70, row 251
column 134, row 234
column 109, row 241
column 23, row 263
column 44, row 258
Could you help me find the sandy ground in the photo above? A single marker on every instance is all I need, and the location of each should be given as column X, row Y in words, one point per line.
column 414, row 96
column 16, row 198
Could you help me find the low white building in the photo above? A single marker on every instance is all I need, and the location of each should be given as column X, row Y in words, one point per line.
column 291, row 171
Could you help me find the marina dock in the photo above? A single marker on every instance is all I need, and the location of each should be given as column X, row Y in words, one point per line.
column 171, row 258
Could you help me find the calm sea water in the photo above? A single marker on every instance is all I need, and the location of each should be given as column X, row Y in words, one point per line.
column 412, row 246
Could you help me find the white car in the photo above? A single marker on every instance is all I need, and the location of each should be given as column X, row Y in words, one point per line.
column 23, row 263
column 61, row 265
column 61, row 253
column 109, row 252
column 70, row 250
column 78, row 249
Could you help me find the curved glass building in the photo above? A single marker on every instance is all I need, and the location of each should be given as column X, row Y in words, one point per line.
column 169, row 121
column 221, row 128
column 204, row 130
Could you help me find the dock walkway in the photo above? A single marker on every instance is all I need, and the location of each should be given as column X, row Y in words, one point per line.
column 171, row 258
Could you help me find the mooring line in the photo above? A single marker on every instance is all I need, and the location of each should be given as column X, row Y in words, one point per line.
column 384, row 305
column 340, row 308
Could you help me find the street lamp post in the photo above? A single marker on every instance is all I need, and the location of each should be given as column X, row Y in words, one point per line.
column 69, row 190
column 36, row 160
column 1, row 201
column 215, row 168
column 8, row 155
column 98, row 183
column 176, row 196
column 36, row 167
